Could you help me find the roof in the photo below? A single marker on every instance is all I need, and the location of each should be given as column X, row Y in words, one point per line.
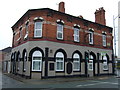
column 40, row 9
column 8, row 49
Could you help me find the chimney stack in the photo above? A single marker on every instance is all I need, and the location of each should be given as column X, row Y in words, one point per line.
column 100, row 16
column 62, row 7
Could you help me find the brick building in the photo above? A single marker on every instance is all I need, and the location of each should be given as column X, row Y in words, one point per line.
column 5, row 59
column 50, row 43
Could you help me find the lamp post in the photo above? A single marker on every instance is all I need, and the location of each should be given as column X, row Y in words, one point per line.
column 114, row 18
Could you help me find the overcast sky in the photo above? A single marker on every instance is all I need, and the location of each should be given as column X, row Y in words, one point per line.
column 12, row 10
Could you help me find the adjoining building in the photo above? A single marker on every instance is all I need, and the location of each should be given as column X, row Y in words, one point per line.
column 5, row 59
column 49, row 43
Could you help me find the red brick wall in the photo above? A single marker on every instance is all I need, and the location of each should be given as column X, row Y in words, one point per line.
column 49, row 31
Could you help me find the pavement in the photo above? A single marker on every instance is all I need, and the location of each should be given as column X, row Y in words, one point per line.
column 55, row 80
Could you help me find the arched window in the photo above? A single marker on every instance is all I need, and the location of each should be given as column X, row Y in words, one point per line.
column 25, row 61
column 36, row 61
column 19, row 58
column 105, row 65
column 76, row 62
column 59, row 61
column 90, row 63
column 12, row 57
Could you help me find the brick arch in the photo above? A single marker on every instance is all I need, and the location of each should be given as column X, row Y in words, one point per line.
column 15, row 56
column 93, row 54
column 35, row 49
column 77, row 51
column 63, row 51
column 18, row 53
column 12, row 55
column 24, row 51
column 107, row 57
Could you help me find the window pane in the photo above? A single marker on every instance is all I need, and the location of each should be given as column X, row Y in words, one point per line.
column 76, row 62
column 104, row 40
column 59, row 31
column 38, row 29
column 59, row 65
column 36, row 65
column 59, row 35
column 76, row 65
column 26, row 28
column 76, row 34
column 105, row 66
column 90, row 65
column 60, row 27
column 38, row 25
column 59, row 61
column 91, row 37
column 76, row 31
column 38, row 33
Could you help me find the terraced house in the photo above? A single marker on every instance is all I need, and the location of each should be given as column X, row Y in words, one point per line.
column 49, row 43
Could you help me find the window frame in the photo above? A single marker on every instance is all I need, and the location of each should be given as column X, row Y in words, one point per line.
column 76, row 56
column 38, row 55
column 19, row 59
column 60, row 31
column 58, row 56
column 40, row 29
column 20, row 30
column 104, row 40
column 90, row 63
column 25, row 61
column 75, row 34
column 105, row 63
column 91, row 37
column 26, row 30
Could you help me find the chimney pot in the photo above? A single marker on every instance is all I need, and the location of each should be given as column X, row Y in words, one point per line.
column 80, row 16
column 62, row 7
column 100, row 16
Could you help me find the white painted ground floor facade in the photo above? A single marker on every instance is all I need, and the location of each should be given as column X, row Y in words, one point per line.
column 45, row 59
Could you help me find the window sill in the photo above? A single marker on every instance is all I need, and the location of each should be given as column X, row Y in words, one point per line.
column 60, row 39
column 91, row 44
column 37, row 37
column 105, row 46
column 36, row 71
column 105, row 70
column 59, row 71
column 76, row 41
column 77, row 71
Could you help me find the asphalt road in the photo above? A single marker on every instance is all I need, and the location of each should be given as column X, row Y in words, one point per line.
column 104, row 82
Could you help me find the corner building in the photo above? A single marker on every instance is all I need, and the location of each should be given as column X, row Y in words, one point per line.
column 49, row 43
